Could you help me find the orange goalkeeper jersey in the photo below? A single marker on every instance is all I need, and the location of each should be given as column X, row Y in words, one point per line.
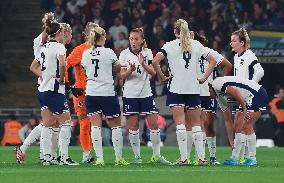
column 74, row 60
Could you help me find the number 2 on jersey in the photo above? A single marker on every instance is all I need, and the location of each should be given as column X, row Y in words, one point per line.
column 43, row 60
column 96, row 62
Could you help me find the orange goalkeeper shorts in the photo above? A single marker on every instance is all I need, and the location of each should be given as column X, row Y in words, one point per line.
column 80, row 105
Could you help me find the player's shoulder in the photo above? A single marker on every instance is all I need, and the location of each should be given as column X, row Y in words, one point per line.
column 61, row 46
column 214, row 52
column 106, row 50
column 87, row 52
column 172, row 43
column 250, row 55
column 249, row 52
column 197, row 43
column 38, row 39
column 125, row 52
column 147, row 50
column 81, row 47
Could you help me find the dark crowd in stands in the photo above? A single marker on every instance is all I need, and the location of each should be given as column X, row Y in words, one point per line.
column 216, row 19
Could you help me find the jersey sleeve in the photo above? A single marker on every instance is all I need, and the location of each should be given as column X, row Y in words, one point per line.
column 217, row 56
column 165, row 49
column 35, row 46
column 113, row 57
column 61, row 50
column 150, row 56
column 251, row 56
column 204, row 52
column 37, row 58
column 122, row 59
column 84, row 59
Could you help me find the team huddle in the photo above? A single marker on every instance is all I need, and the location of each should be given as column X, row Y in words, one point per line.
column 194, row 91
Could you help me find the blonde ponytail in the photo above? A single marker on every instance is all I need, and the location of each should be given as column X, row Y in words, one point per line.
column 88, row 28
column 185, row 36
column 47, row 19
column 94, row 35
column 243, row 36
column 246, row 37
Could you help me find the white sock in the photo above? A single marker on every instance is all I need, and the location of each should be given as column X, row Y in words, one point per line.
column 40, row 150
column 182, row 141
column 156, row 140
column 54, row 139
column 197, row 135
column 46, row 135
column 134, row 139
column 204, row 141
column 64, row 140
column 96, row 133
column 211, row 142
column 86, row 154
column 117, row 141
column 189, row 142
column 238, row 143
column 246, row 154
column 32, row 137
column 251, row 144
column 242, row 151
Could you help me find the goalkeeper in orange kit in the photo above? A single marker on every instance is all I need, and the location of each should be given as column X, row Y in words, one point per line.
column 74, row 60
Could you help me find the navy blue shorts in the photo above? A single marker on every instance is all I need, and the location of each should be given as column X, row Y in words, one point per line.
column 259, row 101
column 189, row 101
column 108, row 105
column 55, row 102
column 141, row 106
column 208, row 104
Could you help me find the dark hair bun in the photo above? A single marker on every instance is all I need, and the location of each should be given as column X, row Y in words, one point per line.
column 53, row 28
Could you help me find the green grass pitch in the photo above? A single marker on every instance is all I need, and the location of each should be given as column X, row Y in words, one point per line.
column 270, row 168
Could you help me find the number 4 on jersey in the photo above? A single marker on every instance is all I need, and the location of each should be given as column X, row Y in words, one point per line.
column 186, row 58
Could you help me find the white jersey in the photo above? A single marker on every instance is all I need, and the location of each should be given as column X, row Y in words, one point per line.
column 184, row 66
column 38, row 44
column 98, row 65
column 203, row 64
column 246, row 66
column 137, row 85
column 247, row 89
column 50, row 66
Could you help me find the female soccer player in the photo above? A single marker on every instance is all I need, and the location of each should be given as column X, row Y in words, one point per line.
column 136, row 62
column 183, row 55
column 35, row 133
column 98, row 63
column 245, row 66
column 209, row 105
column 51, row 94
column 74, row 60
column 253, row 99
